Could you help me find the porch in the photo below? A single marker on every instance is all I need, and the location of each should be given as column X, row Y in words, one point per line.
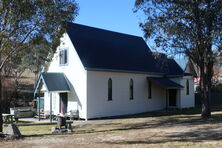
column 53, row 85
column 172, row 90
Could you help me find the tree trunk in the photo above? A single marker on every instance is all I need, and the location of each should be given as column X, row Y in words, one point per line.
column 1, row 121
column 205, row 87
column 1, row 101
column 206, row 112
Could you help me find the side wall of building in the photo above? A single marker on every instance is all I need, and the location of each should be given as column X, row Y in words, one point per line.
column 97, row 94
column 187, row 99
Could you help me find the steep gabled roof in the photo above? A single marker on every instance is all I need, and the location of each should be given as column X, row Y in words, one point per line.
column 182, row 62
column 100, row 49
column 167, row 65
column 188, row 67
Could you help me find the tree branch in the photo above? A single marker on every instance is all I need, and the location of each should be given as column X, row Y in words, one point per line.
column 13, row 51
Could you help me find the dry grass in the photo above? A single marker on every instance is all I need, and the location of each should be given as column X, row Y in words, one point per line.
column 40, row 130
column 175, row 129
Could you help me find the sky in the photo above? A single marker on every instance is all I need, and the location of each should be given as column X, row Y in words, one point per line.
column 114, row 15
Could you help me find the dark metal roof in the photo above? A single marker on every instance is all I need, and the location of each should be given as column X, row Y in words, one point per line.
column 103, row 49
column 167, row 65
column 55, row 81
column 165, row 82
column 52, row 82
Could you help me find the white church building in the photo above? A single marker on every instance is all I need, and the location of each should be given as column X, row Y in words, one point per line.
column 102, row 73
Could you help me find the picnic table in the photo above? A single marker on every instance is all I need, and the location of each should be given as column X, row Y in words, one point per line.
column 8, row 118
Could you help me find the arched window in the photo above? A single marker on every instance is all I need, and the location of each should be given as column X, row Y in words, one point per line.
column 110, row 89
column 188, row 88
column 131, row 89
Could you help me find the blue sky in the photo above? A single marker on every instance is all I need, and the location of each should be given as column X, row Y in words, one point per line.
column 114, row 15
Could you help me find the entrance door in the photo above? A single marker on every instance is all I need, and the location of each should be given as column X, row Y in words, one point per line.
column 172, row 97
column 63, row 103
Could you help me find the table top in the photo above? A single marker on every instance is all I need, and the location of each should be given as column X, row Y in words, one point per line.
column 7, row 115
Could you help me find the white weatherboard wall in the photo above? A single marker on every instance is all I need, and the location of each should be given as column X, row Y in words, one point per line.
column 76, row 75
column 97, row 94
column 187, row 100
column 46, row 102
column 55, row 102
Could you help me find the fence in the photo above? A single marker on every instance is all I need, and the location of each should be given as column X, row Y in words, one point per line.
column 216, row 98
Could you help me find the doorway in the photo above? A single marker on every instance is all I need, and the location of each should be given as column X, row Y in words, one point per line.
column 63, row 103
column 172, row 97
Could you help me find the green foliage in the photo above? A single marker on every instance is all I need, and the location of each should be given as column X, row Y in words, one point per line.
column 36, row 55
column 25, row 24
column 30, row 30
column 183, row 26
column 189, row 27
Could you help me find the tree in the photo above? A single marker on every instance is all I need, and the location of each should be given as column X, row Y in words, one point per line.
column 22, row 21
column 14, row 86
column 38, row 55
column 189, row 27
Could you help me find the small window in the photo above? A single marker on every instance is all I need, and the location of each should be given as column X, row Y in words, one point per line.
column 131, row 89
column 188, row 87
column 63, row 57
column 149, row 89
column 110, row 89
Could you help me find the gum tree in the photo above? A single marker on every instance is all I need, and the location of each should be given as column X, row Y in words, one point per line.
column 22, row 21
column 189, row 27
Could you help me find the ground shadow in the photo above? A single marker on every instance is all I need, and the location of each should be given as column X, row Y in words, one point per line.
column 198, row 135
column 164, row 112
column 170, row 122
column 188, row 118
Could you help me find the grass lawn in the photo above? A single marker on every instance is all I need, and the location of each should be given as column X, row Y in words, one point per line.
column 162, row 129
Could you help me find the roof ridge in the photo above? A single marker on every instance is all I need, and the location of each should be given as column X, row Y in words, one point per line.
column 102, row 29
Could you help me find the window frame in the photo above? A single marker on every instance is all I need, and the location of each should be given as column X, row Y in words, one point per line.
column 110, row 89
column 149, row 89
column 131, row 89
column 65, row 56
column 187, row 87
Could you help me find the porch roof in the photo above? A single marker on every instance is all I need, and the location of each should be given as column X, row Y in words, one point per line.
column 53, row 82
column 165, row 82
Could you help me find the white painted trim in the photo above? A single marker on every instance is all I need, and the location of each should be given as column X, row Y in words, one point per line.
column 37, row 85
